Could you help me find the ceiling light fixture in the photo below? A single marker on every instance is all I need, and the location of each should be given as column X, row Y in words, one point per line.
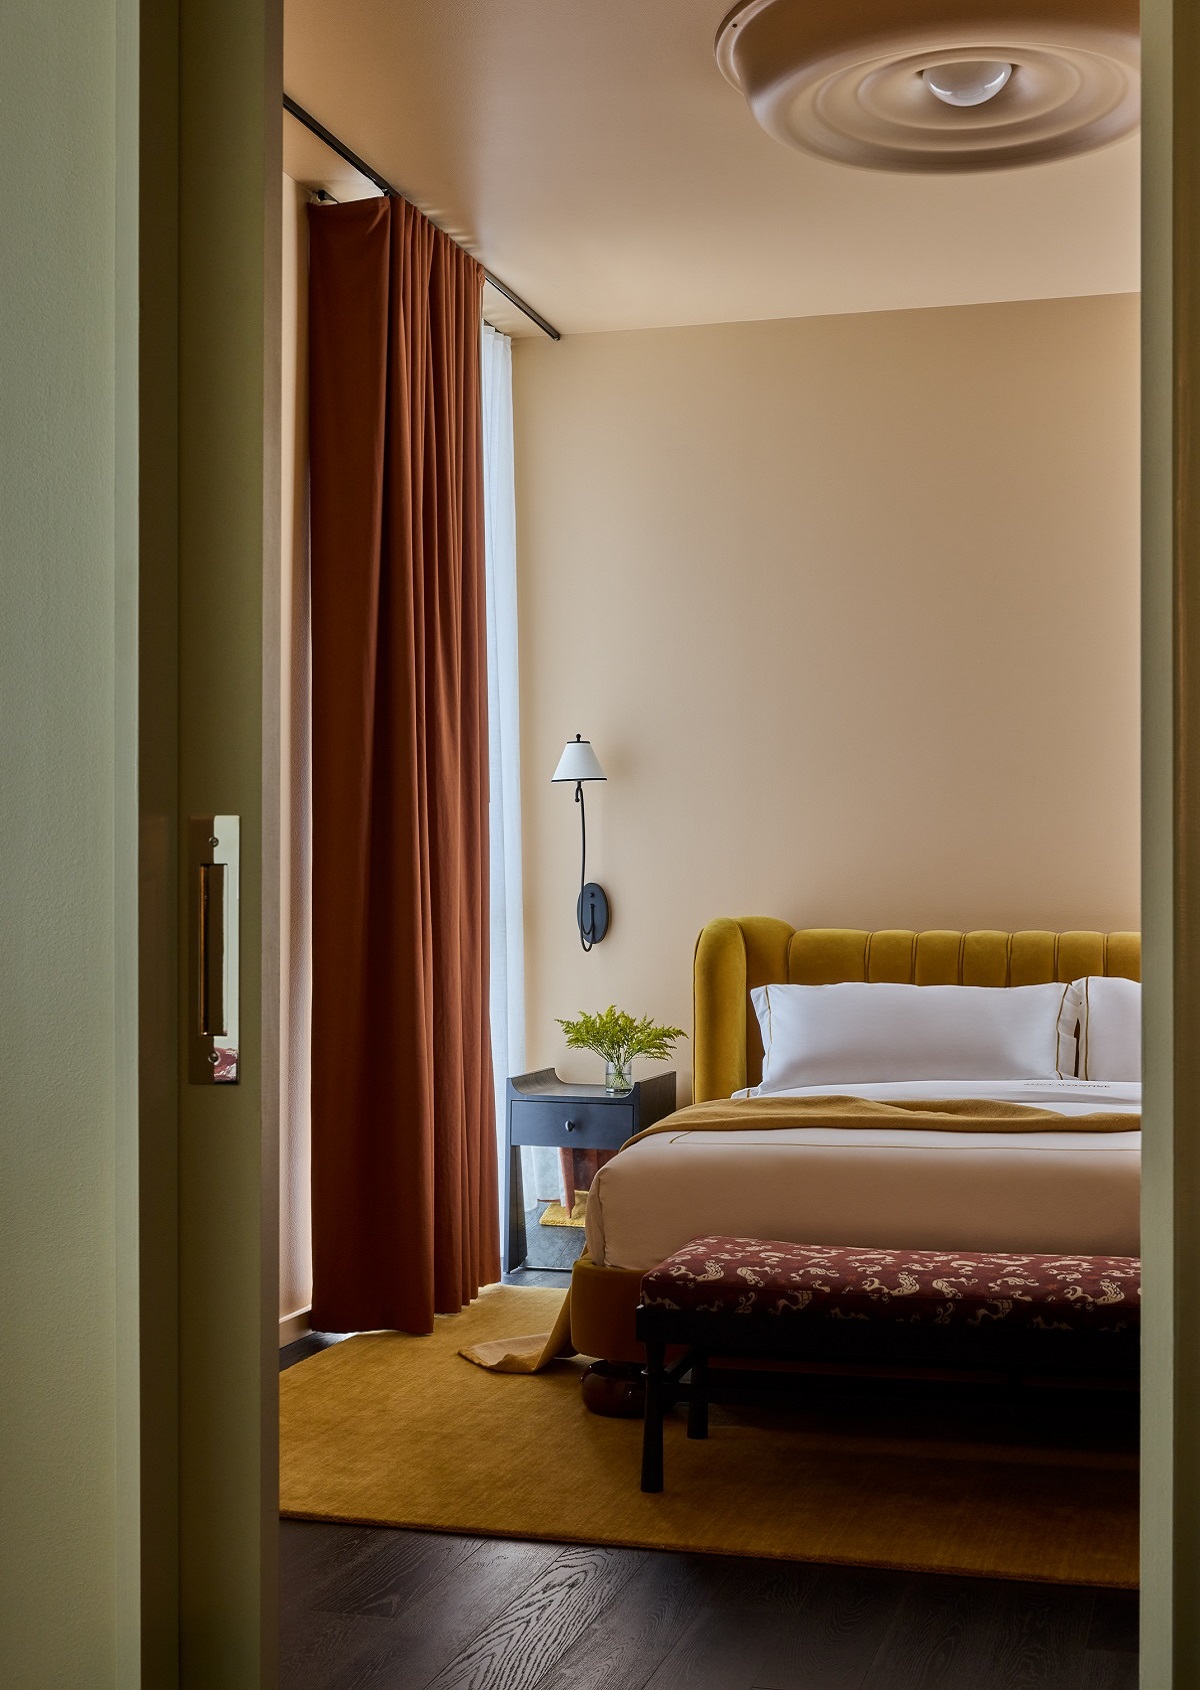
column 915, row 85
column 967, row 82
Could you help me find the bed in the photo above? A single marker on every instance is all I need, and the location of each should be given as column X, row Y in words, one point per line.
column 890, row 1185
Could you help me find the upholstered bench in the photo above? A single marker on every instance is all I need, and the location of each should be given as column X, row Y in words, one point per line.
column 748, row 1298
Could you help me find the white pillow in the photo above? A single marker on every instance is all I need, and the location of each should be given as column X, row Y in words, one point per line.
column 1110, row 1028
column 824, row 1035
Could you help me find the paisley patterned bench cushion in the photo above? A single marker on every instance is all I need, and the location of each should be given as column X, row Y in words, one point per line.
column 773, row 1282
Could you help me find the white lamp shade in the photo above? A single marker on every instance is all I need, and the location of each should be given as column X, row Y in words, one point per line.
column 578, row 762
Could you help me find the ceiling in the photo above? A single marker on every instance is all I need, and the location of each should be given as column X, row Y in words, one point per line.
column 591, row 154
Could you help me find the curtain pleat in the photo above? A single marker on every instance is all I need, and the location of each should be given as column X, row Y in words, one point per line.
column 405, row 1221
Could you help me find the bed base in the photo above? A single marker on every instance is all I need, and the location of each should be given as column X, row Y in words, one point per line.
column 604, row 1303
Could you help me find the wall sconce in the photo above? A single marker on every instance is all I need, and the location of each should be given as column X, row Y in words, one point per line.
column 579, row 763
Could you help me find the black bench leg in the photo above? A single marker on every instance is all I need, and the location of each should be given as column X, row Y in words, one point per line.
column 698, row 1403
column 652, row 1424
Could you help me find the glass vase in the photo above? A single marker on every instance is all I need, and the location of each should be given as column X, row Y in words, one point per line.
column 618, row 1078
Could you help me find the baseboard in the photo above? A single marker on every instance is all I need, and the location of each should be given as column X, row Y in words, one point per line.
column 293, row 1326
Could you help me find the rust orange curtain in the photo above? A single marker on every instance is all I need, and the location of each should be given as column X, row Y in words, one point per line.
column 405, row 1221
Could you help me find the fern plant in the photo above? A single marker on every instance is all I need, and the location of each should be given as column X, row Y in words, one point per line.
column 618, row 1038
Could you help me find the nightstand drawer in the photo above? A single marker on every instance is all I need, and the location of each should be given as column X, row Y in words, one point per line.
column 593, row 1126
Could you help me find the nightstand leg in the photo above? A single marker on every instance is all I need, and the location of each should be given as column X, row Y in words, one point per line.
column 516, row 1244
column 652, row 1424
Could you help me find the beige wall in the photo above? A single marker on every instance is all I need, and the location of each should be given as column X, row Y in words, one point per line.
column 295, row 1227
column 849, row 607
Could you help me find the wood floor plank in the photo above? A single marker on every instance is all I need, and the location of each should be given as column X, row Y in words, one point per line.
column 637, row 1629
column 314, row 1557
column 1114, row 1622
column 390, row 1575
column 372, row 1570
column 780, row 1623
column 336, row 1652
column 1037, row 1638
column 1109, row 1670
column 329, row 1651
column 831, row 1640
column 721, row 1650
column 523, row 1641
column 938, row 1638
column 310, row 1344
column 376, row 1608
column 769, row 1584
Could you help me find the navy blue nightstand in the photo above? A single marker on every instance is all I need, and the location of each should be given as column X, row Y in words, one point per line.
column 544, row 1110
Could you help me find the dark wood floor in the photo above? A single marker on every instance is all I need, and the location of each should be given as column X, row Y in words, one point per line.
column 554, row 1247
column 371, row 1608
column 366, row 1607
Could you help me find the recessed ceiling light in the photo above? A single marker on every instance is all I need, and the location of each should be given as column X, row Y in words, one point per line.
column 853, row 82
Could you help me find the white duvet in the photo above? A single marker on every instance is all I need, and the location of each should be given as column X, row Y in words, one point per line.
column 899, row 1187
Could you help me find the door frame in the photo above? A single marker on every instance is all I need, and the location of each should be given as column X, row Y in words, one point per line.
column 210, row 88
column 1170, row 846
column 209, row 74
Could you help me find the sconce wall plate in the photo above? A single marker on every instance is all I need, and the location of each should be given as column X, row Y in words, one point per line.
column 591, row 912
column 845, row 81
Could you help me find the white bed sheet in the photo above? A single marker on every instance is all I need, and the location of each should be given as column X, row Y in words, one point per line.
column 893, row 1187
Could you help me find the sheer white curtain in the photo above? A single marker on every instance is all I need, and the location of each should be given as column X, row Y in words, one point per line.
column 500, row 533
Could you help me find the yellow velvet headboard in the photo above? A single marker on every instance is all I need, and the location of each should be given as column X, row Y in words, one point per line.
column 732, row 957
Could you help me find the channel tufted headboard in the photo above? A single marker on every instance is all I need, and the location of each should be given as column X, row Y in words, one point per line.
column 733, row 956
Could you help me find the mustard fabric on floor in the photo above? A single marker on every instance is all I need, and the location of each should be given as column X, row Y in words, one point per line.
column 555, row 1215
column 395, row 1430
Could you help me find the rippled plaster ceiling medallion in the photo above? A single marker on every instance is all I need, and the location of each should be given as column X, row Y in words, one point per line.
column 936, row 84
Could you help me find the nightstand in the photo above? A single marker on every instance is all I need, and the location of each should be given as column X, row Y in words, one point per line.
column 544, row 1110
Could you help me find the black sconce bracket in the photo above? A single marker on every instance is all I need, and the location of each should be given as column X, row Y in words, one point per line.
column 591, row 910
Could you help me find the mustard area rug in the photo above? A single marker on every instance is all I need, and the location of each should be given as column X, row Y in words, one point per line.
column 555, row 1215
column 395, row 1430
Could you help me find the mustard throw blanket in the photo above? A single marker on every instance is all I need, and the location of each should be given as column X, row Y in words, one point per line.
column 971, row 1115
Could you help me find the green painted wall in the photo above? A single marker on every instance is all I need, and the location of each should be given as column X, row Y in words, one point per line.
column 67, row 802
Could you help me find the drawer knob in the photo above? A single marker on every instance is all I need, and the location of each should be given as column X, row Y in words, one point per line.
column 570, row 1125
